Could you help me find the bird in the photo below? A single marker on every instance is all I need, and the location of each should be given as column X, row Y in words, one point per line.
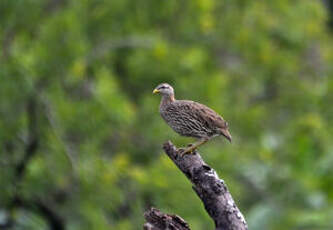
column 191, row 119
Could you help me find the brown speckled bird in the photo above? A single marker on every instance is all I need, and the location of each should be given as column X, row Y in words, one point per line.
column 189, row 118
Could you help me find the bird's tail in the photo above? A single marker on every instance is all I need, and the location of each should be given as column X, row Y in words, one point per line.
column 226, row 134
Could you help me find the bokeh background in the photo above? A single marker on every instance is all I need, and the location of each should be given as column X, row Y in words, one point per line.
column 80, row 131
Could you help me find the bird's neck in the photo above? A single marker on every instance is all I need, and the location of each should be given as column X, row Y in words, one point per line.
column 166, row 99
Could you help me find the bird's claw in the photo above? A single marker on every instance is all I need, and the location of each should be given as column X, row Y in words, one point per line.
column 181, row 152
column 185, row 151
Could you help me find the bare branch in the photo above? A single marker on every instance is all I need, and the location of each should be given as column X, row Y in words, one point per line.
column 212, row 190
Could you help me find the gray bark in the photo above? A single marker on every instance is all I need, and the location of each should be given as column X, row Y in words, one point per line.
column 212, row 190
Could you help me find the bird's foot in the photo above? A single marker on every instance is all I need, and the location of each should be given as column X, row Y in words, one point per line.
column 188, row 150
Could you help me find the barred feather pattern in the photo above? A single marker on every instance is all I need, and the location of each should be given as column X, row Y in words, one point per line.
column 189, row 118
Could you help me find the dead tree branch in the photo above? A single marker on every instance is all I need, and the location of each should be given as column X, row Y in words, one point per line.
column 212, row 190
column 156, row 220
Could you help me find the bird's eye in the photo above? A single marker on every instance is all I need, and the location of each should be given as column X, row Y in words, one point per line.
column 162, row 87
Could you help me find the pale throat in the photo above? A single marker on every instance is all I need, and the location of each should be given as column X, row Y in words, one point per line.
column 168, row 99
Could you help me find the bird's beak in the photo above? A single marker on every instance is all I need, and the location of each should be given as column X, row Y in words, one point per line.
column 156, row 91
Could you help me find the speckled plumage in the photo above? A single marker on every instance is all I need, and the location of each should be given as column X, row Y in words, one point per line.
column 189, row 118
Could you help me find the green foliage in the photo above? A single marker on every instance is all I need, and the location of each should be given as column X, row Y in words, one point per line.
column 89, row 67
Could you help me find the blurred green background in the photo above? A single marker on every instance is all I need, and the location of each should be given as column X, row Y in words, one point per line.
column 80, row 131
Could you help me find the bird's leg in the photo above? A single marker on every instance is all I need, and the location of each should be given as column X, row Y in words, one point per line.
column 191, row 148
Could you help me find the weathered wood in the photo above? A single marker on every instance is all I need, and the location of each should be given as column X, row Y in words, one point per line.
column 156, row 220
column 212, row 190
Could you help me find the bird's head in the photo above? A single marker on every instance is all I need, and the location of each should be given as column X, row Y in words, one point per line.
column 164, row 89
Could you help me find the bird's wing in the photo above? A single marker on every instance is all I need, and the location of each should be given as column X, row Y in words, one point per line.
column 206, row 115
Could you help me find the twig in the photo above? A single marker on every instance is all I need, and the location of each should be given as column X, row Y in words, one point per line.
column 32, row 142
